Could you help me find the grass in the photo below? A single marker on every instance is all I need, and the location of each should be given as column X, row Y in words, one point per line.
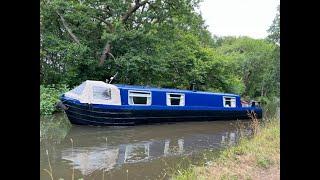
column 50, row 168
column 186, row 174
column 257, row 157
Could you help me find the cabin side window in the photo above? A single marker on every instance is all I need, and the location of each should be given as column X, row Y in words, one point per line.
column 175, row 99
column 229, row 101
column 139, row 98
column 101, row 93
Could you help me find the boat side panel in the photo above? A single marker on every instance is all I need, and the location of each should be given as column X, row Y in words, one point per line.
column 191, row 99
column 194, row 99
column 103, row 107
column 79, row 113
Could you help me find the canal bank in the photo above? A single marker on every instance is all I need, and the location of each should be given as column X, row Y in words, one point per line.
column 253, row 158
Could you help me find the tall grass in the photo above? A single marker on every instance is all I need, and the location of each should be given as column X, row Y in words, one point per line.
column 50, row 172
column 72, row 177
column 254, row 123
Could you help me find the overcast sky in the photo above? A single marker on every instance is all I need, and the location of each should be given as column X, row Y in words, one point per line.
column 239, row 17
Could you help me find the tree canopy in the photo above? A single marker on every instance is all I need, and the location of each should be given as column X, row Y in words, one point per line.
column 162, row 43
column 274, row 29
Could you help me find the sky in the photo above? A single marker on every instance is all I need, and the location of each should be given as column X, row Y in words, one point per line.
column 239, row 17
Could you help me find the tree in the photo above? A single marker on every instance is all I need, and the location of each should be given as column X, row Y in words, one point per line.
column 76, row 36
column 274, row 29
column 256, row 62
column 162, row 43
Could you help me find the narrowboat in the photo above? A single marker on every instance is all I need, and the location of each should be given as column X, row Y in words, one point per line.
column 100, row 103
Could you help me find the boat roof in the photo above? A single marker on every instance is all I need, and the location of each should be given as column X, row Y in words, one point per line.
column 150, row 88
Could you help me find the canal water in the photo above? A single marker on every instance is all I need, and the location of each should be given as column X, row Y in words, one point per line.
column 133, row 152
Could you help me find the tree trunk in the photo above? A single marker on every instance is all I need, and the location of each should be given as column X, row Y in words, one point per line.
column 106, row 52
column 67, row 28
column 131, row 10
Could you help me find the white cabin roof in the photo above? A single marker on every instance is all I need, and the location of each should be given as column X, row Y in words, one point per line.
column 85, row 93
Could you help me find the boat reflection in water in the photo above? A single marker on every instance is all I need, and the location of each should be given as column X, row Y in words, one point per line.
column 101, row 149
column 88, row 160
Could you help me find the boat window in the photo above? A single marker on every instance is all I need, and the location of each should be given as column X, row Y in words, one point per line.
column 139, row 98
column 175, row 99
column 229, row 101
column 101, row 93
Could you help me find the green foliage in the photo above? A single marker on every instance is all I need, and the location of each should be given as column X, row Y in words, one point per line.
column 185, row 174
column 256, row 62
column 270, row 106
column 49, row 96
column 162, row 43
column 136, row 43
column 274, row 29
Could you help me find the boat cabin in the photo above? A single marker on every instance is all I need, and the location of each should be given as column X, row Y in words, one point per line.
column 98, row 92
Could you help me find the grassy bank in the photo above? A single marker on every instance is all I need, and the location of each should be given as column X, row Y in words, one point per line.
column 253, row 158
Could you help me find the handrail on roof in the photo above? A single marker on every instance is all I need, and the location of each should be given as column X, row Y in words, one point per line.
column 111, row 78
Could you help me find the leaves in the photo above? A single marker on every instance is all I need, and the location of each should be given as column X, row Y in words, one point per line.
column 274, row 29
column 49, row 96
column 162, row 43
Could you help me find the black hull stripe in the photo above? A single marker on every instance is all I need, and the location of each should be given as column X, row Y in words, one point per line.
column 120, row 114
column 126, row 122
column 150, row 117
column 102, row 112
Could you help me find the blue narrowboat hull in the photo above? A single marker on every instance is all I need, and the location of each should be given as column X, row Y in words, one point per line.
column 104, row 115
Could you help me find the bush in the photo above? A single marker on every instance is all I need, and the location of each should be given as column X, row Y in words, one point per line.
column 271, row 107
column 49, row 96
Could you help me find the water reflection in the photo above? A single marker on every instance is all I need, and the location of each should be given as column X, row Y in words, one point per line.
column 116, row 149
column 106, row 157
column 54, row 128
column 171, row 151
column 228, row 139
column 88, row 160
column 136, row 152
